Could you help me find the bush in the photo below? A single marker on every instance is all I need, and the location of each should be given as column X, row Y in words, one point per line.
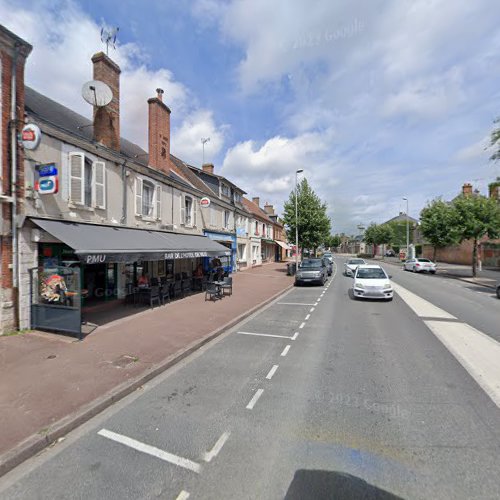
column 396, row 249
column 364, row 255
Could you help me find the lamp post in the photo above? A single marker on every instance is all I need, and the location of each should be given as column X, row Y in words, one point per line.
column 297, row 172
column 407, row 231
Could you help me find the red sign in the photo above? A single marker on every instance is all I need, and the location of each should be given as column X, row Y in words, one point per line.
column 205, row 202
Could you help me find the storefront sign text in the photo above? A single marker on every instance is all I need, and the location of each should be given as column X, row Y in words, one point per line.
column 185, row 255
column 95, row 259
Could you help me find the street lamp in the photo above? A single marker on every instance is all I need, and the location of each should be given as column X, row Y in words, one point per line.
column 297, row 172
column 407, row 230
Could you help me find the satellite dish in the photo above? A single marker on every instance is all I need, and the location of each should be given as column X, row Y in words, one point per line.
column 97, row 93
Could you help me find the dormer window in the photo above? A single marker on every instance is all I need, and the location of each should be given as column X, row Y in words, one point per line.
column 237, row 197
column 225, row 191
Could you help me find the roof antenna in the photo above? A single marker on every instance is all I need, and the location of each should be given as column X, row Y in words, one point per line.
column 109, row 37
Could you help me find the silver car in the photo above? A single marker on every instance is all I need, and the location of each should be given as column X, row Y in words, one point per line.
column 351, row 265
column 420, row 266
column 311, row 271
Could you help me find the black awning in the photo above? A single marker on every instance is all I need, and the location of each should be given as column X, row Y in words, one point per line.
column 94, row 243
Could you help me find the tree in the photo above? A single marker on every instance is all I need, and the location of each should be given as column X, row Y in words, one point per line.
column 495, row 141
column 379, row 234
column 313, row 221
column 438, row 224
column 399, row 232
column 476, row 216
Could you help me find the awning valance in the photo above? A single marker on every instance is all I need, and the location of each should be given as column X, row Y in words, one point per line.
column 94, row 243
column 282, row 244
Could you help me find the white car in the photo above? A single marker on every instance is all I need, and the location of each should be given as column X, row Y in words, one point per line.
column 420, row 266
column 372, row 282
column 351, row 265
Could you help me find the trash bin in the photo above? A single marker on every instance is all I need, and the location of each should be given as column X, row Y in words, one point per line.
column 291, row 267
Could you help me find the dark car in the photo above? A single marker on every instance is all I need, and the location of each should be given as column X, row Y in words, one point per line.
column 328, row 264
column 390, row 253
column 311, row 271
column 498, row 289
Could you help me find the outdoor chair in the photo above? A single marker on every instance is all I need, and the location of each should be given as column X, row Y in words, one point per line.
column 154, row 296
column 164, row 293
column 129, row 293
column 227, row 286
column 177, row 288
column 212, row 292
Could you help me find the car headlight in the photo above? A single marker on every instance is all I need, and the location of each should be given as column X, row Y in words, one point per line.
column 358, row 285
column 387, row 286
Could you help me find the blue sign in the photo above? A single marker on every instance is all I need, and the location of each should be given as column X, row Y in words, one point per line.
column 47, row 169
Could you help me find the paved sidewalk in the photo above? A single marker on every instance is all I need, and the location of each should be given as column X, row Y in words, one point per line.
column 50, row 384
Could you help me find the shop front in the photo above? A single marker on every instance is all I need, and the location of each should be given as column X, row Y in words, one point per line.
column 229, row 241
column 91, row 264
column 268, row 250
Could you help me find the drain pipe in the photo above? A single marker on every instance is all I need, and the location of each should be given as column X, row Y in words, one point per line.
column 125, row 175
column 13, row 188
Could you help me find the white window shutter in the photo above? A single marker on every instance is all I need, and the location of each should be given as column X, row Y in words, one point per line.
column 76, row 176
column 183, row 210
column 195, row 213
column 138, row 196
column 158, row 202
column 99, row 184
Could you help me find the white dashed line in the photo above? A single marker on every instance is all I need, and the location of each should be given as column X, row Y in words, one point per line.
column 183, row 495
column 295, row 335
column 217, row 447
column 151, row 450
column 255, row 398
column 301, row 325
column 315, row 304
column 307, row 317
column 293, row 304
column 264, row 335
column 272, row 371
column 285, row 350
column 312, row 309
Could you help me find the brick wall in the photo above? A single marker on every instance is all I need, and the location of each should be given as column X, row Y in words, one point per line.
column 159, row 133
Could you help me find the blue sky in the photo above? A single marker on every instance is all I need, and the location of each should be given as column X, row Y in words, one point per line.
column 374, row 99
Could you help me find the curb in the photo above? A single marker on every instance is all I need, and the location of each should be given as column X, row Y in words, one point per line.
column 36, row 443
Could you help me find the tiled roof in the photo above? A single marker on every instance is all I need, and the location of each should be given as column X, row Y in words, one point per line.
column 254, row 209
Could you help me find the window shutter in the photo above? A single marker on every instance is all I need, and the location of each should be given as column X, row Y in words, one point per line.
column 183, row 210
column 76, row 172
column 158, row 201
column 195, row 213
column 99, row 184
column 138, row 196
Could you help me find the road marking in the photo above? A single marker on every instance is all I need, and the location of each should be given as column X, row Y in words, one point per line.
column 264, row 335
column 255, row 398
column 285, row 350
column 272, row 371
column 478, row 353
column 217, row 447
column 420, row 306
column 315, row 304
column 151, row 450
column 319, row 300
column 293, row 304
column 295, row 335
column 312, row 309
column 183, row 495
column 307, row 317
column 302, row 325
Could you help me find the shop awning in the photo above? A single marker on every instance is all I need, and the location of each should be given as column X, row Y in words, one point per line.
column 282, row 244
column 94, row 243
column 271, row 242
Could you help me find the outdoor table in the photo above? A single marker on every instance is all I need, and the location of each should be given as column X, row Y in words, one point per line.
column 218, row 285
column 141, row 294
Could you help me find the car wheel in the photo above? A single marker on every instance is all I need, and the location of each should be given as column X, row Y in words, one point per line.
column 432, row 272
column 498, row 292
column 414, row 269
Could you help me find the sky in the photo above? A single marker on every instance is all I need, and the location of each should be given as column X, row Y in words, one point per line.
column 376, row 100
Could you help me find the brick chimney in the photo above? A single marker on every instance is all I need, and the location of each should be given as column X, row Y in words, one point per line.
column 467, row 189
column 208, row 168
column 494, row 191
column 269, row 209
column 107, row 118
column 159, row 133
column 256, row 200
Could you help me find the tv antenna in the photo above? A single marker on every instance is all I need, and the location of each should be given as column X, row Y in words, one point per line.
column 203, row 142
column 109, row 37
column 97, row 93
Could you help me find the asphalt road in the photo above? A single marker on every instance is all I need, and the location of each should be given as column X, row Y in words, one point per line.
column 316, row 396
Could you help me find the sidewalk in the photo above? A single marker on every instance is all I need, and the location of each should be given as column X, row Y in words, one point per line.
column 50, row 383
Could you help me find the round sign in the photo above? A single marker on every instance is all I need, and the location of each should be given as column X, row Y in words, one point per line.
column 30, row 136
column 205, row 202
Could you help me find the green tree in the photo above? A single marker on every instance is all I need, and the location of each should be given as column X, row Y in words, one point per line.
column 379, row 234
column 313, row 221
column 399, row 232
column 476, row 216
column 438, row 224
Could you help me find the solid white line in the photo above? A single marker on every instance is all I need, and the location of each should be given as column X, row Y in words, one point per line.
column 293, row 304
column 319, row 300
column 272, row 371
column 183, row 495
column 312, row 309
column 264, row 335
column 302, row 325
column 255, row 398
column 478, row 353
column 151, row 450
column 307, row 317
column 295, row 335
column 315, row 304
column 217, row 447
column 285, row 350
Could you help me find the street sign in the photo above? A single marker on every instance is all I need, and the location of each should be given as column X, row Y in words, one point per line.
column 47, row 185
column 31, row 136
column 205, row 202
column 46, row 169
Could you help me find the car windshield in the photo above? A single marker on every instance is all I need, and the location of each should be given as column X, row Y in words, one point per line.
column 327, row 255
column 423, row 260
column 308, row 264
column 373, row 273
column 356, row 261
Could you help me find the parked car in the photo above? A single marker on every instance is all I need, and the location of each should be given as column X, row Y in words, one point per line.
column 390, row 253
column 420, row 265
column 498, row 289
column 329, row 256
column 311, row 271
column 372, row 282
column 351, row 265
column 328, row 264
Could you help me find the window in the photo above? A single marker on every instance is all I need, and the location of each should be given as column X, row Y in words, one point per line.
column 225, row 191
column 147, row 199
column 256, row 231
column 213, row 217
column 226, row 219
column 87, row 181
column 242, row 252
column 237, row 197
column 188, row 211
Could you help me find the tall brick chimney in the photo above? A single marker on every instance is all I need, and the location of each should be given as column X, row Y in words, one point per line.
column 208, row 167
column 256, row 200
column 269, row 209
column 159, row 133
column 467, row 189
column 107, row 118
